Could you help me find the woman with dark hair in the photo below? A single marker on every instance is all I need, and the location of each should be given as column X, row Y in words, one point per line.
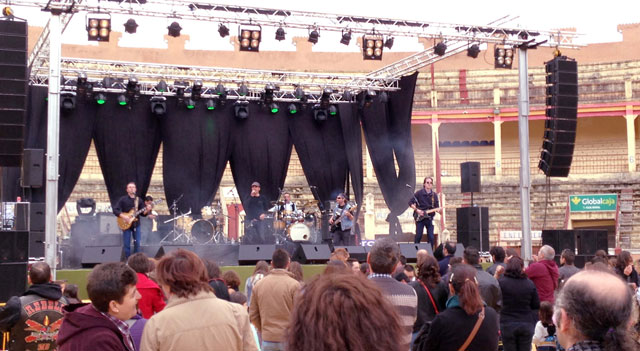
column 624, row 269
column 519, row 301
column 194, row 319
column 215, row 282
column 432, row 293
column 338, row 312
column 152, row 300
column 262, row 269
column 232, row 279
column 466, row 324
column 295, row 268
column 71, row 294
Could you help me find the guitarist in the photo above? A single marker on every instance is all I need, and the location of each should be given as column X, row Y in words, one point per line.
column 342, row 233
column 122, row 208
column 423, row 200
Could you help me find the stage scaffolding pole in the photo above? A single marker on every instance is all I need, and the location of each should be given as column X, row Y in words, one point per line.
column 523, row 132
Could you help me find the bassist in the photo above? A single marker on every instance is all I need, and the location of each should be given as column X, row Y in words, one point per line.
column 423, row 200
column 122, row 208
column 342, row 233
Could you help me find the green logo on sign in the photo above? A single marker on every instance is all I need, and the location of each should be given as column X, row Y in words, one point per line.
column 593, row 202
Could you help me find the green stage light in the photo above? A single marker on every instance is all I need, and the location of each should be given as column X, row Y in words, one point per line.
column 274, row 108
column 101, row 99
column 122, row 100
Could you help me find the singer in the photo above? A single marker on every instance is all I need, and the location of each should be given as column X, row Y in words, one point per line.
column 425, row 204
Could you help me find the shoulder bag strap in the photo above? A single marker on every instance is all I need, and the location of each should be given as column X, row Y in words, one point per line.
column 435, row 308
column 474, row 331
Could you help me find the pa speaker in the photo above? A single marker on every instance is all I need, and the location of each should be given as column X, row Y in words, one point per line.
column 37, row 216
column 559, row 240
column 591, row 240
column 472, row 218
column 312, row 254
column 32, row 171
column 94, row 255
column 357, row 252
column 36, row 244
column 470, row 177
column 251, row 254
column 14, row 246
column 410, row 251
column 474, row 238
column 14, row 280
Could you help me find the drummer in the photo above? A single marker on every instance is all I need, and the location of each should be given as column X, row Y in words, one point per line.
column 287, row 206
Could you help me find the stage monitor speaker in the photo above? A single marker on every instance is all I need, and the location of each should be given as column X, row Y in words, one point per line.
column 410, row 251
column 470, row 177
column 36, row 244
column 32, row 171
column 37, row 216
column 14, row 280
column 472, row 218
column 93, row 255
column 251, row 254
column 312, row 254
column 559, row 239
column 167, row 249
column 472, row 238
column 591, row 240
column 14, row 246
column 357, row 252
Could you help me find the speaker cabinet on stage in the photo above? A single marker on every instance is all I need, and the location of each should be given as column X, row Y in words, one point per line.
column 591, row 240
column 357, row 252
column 472, row 238
column 36, row 244
column 559, row 240
column 14, row 279
column 470, row 177
column 410, row 251
column 94, row 255
column 311, row 254
column 167, row 249
column 470, row 218
column 13, row 91
column 32, row 171
column 37, row 216
column 14, row 246
column 251, row 254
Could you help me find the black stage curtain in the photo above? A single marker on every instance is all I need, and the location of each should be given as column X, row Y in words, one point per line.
column 387, row 131
column 195, row 153
column 350, row 123
column 260, row 151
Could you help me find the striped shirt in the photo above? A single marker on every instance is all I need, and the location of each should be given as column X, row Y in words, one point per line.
column 404, row 298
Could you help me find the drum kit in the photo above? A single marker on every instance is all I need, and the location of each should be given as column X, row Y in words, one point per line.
column 187, row 229
column 295, row 225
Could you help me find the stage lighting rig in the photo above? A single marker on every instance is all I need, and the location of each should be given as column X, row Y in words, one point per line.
column 98, row 26
column 133, row 87
column 174, row 29
column 300, row 94
column 384, row 97
column 190, row 104
column 293, row 109
column 210, row 104
column 223, row 30
column 440, row 49
column 313, row 36
column 325, row 97
column 241, row 108
column 68, row 100
column 130, row 26
column 503, row 57
column 81, row 84
column 333, row 110
column 388, row 43
column 100, row 98
column 346, row 37
column 250, row 37
column 274, row 108
column 473, row 51
column 267, row 97
column 162, row 86
column 280, row 34
column 122, row 100
column 158, row 105
column 372, row 46
column 319, row 113
column 221, row 92
column 243, row 90
column 196, row 89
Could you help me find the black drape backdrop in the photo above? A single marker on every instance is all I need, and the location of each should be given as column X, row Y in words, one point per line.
column 387, row 131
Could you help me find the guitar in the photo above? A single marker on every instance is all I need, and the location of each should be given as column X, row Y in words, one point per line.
column 426, row 213
column 124, row 225
column 336, row 223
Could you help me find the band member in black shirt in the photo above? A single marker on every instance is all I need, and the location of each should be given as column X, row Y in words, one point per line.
column 423, row 200
column 256, row 207
column 122, row 208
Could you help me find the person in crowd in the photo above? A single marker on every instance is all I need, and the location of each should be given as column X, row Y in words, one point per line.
column 336, row 266
column 421, row 255
column 272, row 302
column 152, row 300
column 497, row 256
column 448, row 250
column 354, row 265
column 136, row 327
column 593, row 312
column 71, row 294
column 338, row 312
column 365, row 269
column 519, row 302
column 432, row 293
column 488, row 285
column 261, row 269
column 567, row 258
column 33, row 319
column 625, row 270
column 101, row 324
column 383, row 258
column 466, row 324
column 340, row 254
column 62, row 283
column 218, row 285
column 241, row 299
column 295, row 268
column 410, row 272
column 511, row 252
column 544, row 273
column 601, row 254
column 194, row 318
column 232, row 279
column 544, row 336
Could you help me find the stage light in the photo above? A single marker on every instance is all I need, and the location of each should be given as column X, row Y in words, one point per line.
column 100, row 98
column 440, row 49
column 7, row 12
column 280, row 34
column 300, row 94
column 130, row 26
column 346, row 37
column 368, row 97
column 180, row 87
column 274, row 108
column 346, row 95
column 313, row 36
column 81, row 83
column 158, row 105
column 174, row 29
column 221, row 92
column 108, row 82
column 372, row 47
column 388, row 43
column 223, row 30
column 325, row 97
column 268, row 93
column 196, row 89
column 241, row 108
column 384, row 97
column 68, row 100
column 250, row 37
column 161, row 86
column 190, row 104
column 243, row 90
column 293, row 109
column 503, row 57
column 98, row 26
column 133, row 88
column 333, row 110
column 473, row 51
column 210, row 104
column 122, row 100
column 319, row 113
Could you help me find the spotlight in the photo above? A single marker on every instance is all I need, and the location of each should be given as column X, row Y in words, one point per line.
column 100, row 98
column 241, row 108
column 250, row 37
column 243, row 90
column 325, row 97
column 319, row 113
column 161, row 86
column 221, row 92
column 384, row 97
column 133, row 88
column 293, row 109
column 196, row 89
column 300, row 94
column 440, row 48
column 108, row 82
column 7, row 12
column 174, row 29
column 274, row 108
column 473, row 51
column 190, row 104
column 280, row 34
column 368, row 97
column 333, row 110
column 81, row 83
column 210, row 104
column 223, row 30
column 130, row 26
column 122, row 100
column 346, row 95
column 503, row 57
column 180, row 87
column 158, row 105
column 98, row 26
column 372, row 46
column 388, row 43
column 268, row 93
column 313, row 36
column 346, row 37
column 68, row 100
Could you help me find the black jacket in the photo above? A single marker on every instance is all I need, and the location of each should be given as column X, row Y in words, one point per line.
column 519, row 300
column 426, row 312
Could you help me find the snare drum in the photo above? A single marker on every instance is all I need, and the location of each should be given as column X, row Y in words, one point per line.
column 207, row 212
column 299, row 232
column 202, row 231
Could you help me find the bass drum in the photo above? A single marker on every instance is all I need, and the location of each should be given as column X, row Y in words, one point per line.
column 202, row 231
column 299, row 232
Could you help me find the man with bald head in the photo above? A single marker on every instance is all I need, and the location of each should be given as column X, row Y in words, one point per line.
column 544, row 273
column 420, row 256
column 593, row 312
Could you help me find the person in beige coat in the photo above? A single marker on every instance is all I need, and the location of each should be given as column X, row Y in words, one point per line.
column 194, row 318
column 272, row 302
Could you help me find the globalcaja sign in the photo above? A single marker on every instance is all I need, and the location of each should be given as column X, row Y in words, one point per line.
column 593, row 203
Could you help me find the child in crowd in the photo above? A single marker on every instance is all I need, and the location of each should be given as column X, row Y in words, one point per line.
column 545, row 337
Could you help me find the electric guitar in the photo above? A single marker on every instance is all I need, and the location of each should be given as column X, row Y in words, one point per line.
column 336, row 223
column 124, row 225
column 426, row 213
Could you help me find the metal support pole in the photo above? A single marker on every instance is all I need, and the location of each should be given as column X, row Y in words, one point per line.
column 523, row 132
column 53, row 132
